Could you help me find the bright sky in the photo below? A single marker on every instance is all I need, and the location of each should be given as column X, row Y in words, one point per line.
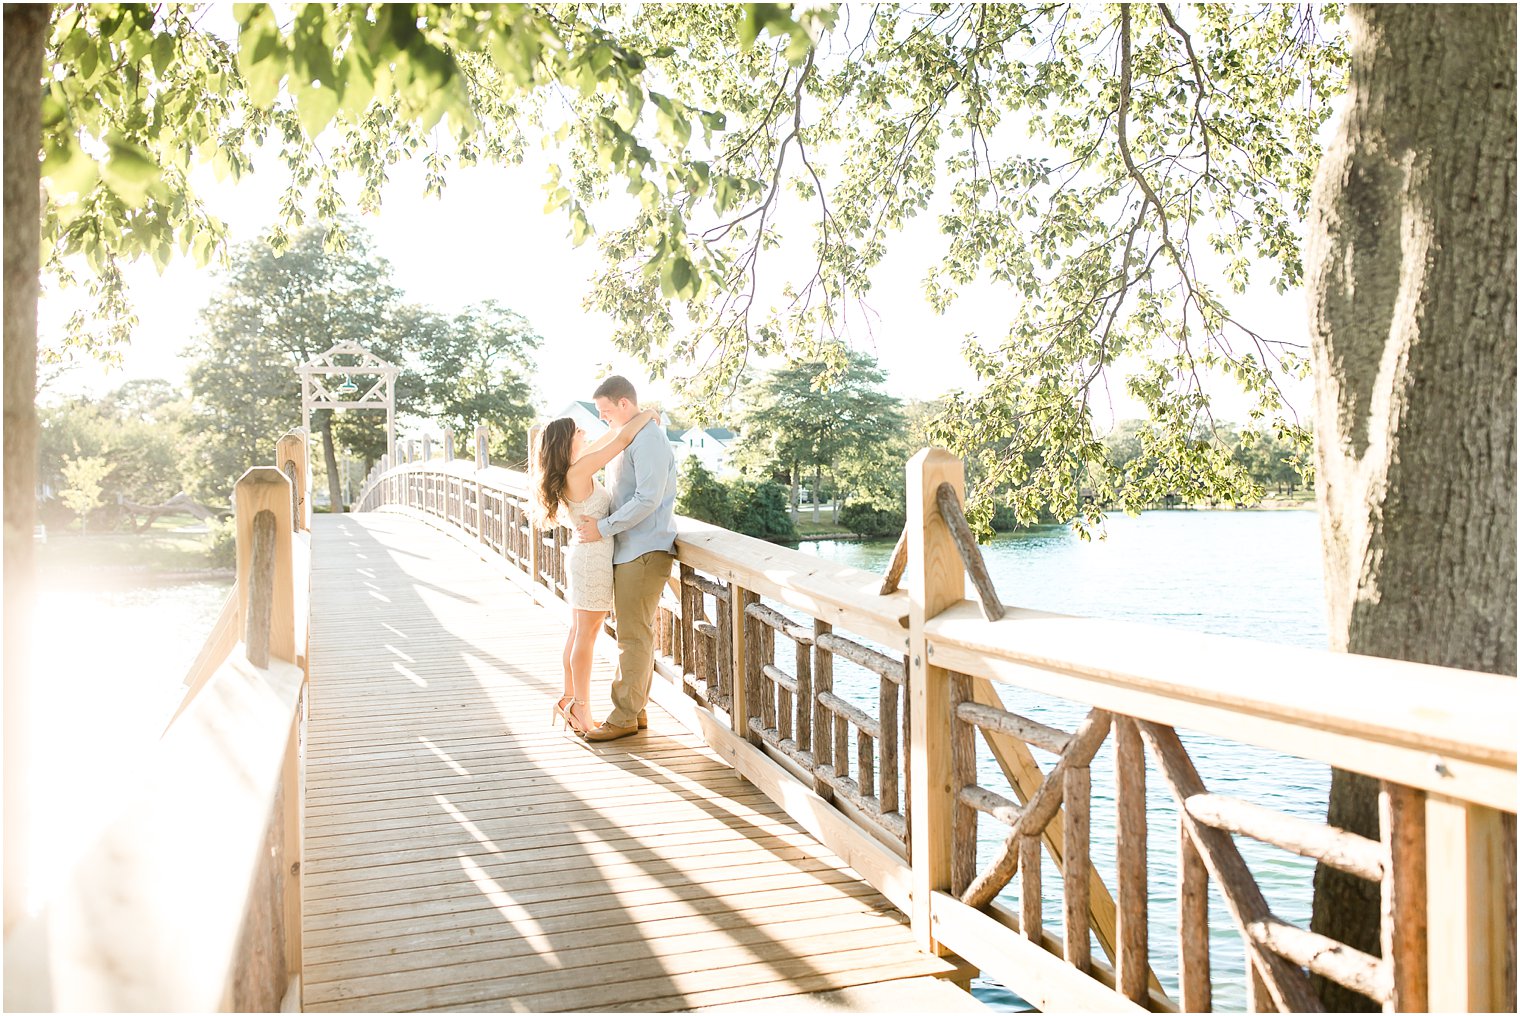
column 487, row 237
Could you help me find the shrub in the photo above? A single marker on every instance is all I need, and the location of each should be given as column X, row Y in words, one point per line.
column 761, row 510
column 870, row 519
column 221, row 548
column 703, row 496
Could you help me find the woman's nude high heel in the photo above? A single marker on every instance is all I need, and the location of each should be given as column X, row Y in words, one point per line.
column 560, row 711
column 571, row 723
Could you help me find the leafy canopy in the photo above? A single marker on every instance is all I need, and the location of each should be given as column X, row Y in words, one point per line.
column 1117, row 171
column 137, row 96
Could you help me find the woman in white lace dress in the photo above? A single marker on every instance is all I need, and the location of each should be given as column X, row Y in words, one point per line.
column 566, row 493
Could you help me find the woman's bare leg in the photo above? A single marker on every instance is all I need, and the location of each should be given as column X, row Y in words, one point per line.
column 569, row 692
column 587, row 624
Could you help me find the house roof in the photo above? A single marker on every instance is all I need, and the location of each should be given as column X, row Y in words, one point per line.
column 674, row 433
column 590, row 407
column 721, row 433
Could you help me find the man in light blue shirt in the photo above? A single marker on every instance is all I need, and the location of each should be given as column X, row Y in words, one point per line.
column 642, row 482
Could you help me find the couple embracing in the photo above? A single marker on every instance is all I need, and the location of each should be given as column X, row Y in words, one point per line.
column 621, row 553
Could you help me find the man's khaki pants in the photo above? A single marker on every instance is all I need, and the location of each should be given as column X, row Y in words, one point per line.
column 636, row 587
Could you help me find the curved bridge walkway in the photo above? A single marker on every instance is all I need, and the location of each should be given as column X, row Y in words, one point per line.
column 459, row 854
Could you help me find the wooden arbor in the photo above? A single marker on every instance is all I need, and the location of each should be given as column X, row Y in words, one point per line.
column 348, row 359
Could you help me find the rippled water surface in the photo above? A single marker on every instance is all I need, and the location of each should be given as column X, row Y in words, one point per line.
column 1254, row 575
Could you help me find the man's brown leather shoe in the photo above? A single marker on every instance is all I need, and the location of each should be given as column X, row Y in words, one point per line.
column 610, row 732
column 643, row 719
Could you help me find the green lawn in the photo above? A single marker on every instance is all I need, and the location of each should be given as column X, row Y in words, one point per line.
column 805, row 527
column 157, row 549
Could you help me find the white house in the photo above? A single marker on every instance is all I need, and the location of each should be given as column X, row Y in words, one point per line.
column 711, row 446
column 585, row 415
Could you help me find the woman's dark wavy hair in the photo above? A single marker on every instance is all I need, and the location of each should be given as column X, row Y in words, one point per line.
column 553, row 464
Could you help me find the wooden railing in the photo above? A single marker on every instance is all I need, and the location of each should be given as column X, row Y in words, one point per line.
column 898, row 773
column 191, row 899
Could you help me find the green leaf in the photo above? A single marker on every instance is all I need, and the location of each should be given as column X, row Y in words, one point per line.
column 264, row 82
column 316, row 105
column 163, row 53
column 89, row 61
column 678, row 280
column 69, row 170
column 358, row 85
column 130, row 171
column 580, row 226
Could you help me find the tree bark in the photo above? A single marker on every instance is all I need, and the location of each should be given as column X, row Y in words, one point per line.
column 817, row 486
column 1411, row 277
column 25, row 37
column 330, row 456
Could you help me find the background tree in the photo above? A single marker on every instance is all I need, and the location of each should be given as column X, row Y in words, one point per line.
column 276, row 311
column 814, row 417
column 1412, row 308
column 136, row 430
column 82, row 479
column 475, row 369
column 703, row 496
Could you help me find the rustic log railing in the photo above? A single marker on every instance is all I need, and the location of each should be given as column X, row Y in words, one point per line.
column 191, row 900
column 895, row 777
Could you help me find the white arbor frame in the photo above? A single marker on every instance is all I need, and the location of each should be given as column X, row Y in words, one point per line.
column 317, row 394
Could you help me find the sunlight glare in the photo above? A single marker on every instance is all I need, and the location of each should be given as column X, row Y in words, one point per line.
column 430, row 746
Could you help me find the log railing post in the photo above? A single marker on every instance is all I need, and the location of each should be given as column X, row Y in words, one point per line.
column 1132, row 957
column 290, row 455
column 936, row 581
column 1401, row 812
column 448, row 444
column 1469, row 874
column 1196, row 989
column 691, row 598
column 427, row 448
column 535, row 538
column 265, row 576
column 823, row 719
column 963, row 774
column 1075, row 884
column 482, row 446
column 739, row 705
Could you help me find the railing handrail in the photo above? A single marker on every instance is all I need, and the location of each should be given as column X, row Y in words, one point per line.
column 1439, row 728
column 1435, row 740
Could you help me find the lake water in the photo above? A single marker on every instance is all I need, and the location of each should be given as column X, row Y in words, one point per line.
column 1249, row 574
column 108, row 662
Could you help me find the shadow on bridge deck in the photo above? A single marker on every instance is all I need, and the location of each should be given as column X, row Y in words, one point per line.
column 459, row 854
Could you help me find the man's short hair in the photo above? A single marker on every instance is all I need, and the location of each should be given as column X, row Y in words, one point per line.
column 615, row 389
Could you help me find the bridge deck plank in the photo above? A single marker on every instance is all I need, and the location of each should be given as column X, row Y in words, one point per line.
column 460, row 855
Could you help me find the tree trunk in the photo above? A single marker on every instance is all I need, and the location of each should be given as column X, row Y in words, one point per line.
column 817, row 487
column 330, row 457
column 25, row 36
column 795, row 483
column 1411, row 278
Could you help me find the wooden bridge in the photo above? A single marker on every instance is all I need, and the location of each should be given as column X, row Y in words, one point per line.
column 361, row 805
